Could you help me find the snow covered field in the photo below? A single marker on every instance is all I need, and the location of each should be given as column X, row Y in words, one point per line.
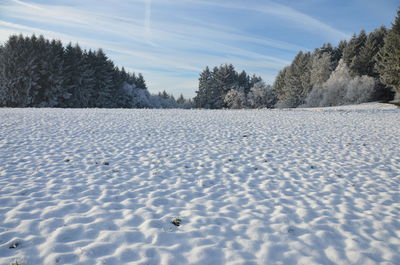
column 306, row 186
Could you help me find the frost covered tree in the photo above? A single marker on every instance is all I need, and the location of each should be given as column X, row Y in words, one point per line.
column 261, row 95
column 216, row 84
column 321, row 68
column 374, row 55
column 235, row 98
column 388, row 58
column 341, row 88
column 224, row 79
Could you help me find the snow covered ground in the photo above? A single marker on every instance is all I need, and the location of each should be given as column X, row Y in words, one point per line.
column 95, row 186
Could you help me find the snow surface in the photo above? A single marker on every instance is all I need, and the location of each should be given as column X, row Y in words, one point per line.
column 95, row 186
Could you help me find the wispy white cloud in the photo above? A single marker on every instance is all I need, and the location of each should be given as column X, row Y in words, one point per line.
column 302, row 21
column 171, row 47
column 147, row 20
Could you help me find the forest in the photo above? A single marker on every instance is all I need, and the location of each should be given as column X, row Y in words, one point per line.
column 365, row 68
column 36, row 72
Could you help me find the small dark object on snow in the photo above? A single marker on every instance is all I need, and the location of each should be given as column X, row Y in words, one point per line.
column 106, row 163
column 312, row 167
column 14, row 245
column 176, row 221
column 290, row 230
column 245, row 135
column 67, row 160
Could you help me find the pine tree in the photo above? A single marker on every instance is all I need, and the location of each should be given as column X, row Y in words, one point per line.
column 73, row 60
column 364, row 63
column 321, row 68
column 20, row 71
column 53, row 77
column 224, row 79
column 203, row 94
column 280, row 84
column 296, row 81
column 388, row 58
column 337, row 53
column 104, row 80
column 244, row 81
column 140, row 83
column 35, row 72
column 235, row 98
column 352, row 51
column 261, row 95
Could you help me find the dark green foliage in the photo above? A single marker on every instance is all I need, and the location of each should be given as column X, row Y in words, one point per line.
column 364, row 62
column 216, row 84
column 375, row 55
column 294, row 84
column 35, row 72
column 388, row 58
column 352, row 50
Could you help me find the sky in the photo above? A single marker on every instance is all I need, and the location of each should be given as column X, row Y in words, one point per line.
column 171, row 41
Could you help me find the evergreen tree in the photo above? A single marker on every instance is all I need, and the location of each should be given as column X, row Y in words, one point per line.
column 388, row 58
column 337, row 53
column 139, row 82
column 254, row 80
column 53, row 75
column 364, row 63
column 37, row 72
column 280, row 84
column 86, row 93
column 352, row 51
column 341, row 88
column 203, row 94
column 19, row 70
column 321, row 68
column 296, row 81
column 244, row 81
column 224, row 79
column 261, row 95
column 104, row 80
column 73, row 60
column 235, row 98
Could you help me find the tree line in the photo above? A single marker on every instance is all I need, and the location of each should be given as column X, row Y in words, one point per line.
column 224, row 87
column 365, row 68
column 36, row 72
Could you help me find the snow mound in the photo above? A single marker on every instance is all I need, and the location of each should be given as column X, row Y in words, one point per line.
column 371, row 106
column 95, row 186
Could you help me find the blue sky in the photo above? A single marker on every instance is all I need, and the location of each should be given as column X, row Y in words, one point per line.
column 171, row 41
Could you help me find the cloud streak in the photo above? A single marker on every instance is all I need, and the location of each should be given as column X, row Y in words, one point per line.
column 147, row 20
column 302, row 21
column 172, row 44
